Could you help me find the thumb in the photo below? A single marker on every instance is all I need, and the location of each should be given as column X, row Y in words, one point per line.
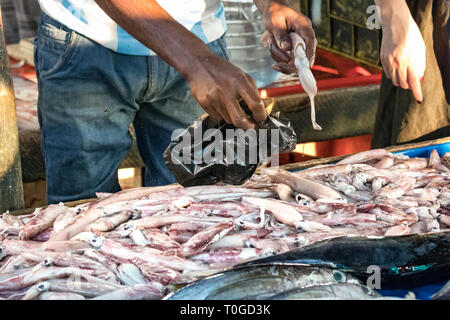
column 282, row 39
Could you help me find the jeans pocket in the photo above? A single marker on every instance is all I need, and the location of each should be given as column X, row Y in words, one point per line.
column 223, row 47
column 54, row 48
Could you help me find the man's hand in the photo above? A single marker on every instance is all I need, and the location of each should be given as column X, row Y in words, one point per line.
column 218, row 85
column 280, row 19
column 403, row 52
column 215, row 83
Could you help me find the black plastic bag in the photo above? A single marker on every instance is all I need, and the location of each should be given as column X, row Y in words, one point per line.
column 208, row 151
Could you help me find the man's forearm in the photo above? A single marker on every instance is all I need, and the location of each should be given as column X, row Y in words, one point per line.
column 150, row 24
column 263, row 5
column 389, row 9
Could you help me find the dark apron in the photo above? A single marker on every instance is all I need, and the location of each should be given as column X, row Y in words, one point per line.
column 400, row 119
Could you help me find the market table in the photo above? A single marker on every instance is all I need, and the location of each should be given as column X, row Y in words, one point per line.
column 422, row 149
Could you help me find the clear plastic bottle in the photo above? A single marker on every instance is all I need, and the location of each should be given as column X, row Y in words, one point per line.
column 245, row 27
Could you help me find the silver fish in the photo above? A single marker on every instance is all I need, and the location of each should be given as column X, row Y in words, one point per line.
column 443, row 294
column 258, row 282
column 335, row 291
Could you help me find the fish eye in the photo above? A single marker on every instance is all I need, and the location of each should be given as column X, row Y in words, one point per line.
column 95, row 241
column 299, row 241
column 43, row 286
column 248, row 244
column 365, row 289
column 136, row 214
column 339, row 276
column 270, row 252
column 126, row 226
column 47, row 262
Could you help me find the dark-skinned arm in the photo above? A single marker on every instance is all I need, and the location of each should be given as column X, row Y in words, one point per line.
column 215, row 83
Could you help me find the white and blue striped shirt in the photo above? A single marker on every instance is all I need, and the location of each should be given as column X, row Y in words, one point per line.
column 204, row 18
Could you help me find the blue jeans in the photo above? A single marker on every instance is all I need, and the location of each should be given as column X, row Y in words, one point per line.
column 88, row 98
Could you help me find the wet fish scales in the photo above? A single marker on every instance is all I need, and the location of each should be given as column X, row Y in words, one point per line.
column 258, row 283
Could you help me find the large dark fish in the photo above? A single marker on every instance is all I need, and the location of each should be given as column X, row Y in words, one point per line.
column 422, row 258
column 257, row 283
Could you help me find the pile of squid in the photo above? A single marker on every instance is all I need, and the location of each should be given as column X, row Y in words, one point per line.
column 143, row 243
column 26, row 94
